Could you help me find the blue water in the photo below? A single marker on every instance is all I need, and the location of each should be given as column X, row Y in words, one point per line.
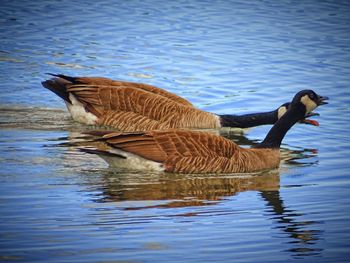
column 60, row 205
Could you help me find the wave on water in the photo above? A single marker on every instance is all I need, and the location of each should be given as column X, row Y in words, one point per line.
column 36, row 118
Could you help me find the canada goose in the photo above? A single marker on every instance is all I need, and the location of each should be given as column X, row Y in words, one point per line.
column 129, row 106
column 186, row 151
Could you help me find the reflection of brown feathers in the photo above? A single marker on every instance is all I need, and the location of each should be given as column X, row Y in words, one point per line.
column 194, row 152
column 198, row 188
column 131, row 106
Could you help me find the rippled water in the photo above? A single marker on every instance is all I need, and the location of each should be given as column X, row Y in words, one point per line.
column 60, row 205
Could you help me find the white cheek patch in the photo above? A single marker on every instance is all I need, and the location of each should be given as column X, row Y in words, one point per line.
column 79, row 113
column 309, row 103
column 281, row 111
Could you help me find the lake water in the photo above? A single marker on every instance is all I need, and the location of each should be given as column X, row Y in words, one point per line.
column 60, row 205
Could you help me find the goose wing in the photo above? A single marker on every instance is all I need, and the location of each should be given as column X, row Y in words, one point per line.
column 128, row 99
column 124, row 104
column 115, row 83
column 131, row 121
column 113, row 105
column 178, row 150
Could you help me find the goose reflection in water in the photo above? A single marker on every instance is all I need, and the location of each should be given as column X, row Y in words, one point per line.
column 184, row 191
column 287, row 220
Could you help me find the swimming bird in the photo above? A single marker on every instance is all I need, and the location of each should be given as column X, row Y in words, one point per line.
column 129, row 106
column 188, row 151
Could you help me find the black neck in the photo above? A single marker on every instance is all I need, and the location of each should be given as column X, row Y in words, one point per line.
column 275, row 136
column 249, row 120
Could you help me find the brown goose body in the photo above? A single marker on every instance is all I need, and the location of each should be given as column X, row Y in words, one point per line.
column 127, row 106
column 186, row 151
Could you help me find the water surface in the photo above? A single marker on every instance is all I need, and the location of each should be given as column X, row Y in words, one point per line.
column 60, row 205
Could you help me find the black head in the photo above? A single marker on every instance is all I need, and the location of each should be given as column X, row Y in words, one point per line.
column 309, row 100
column 281, row 110
column 301, row 106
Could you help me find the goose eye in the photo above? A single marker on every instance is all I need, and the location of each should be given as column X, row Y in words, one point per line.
column 311, row 96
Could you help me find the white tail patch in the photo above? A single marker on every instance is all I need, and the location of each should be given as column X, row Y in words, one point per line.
column 131, row 161
column 309, row 103
column 217, row 120
column 79, row 113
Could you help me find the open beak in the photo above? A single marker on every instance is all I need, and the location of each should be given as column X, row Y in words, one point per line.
column 311, row 114
column 322, row 100
column 311, row 122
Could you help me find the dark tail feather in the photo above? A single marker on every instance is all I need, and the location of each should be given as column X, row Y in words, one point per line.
column 101, row 152
column 70, row 79
column 97, row 133
column 57, row 87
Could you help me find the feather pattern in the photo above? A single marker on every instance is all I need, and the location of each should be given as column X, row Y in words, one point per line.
column 130, row 109
column 110, row 82
column 184, row 151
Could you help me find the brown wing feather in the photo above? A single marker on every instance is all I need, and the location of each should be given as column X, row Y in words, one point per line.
column 115, row 83
column 161, row 112
column 178, row 150
column 113, row 100
column 130, row 121
column 194, row 143
column 141, row 144
column 186, row 151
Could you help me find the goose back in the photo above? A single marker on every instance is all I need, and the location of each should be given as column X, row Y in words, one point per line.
column 130, row 109
column 110, row 82
column 127, row 106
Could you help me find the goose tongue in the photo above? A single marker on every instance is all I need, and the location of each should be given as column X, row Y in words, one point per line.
column 311, row 122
